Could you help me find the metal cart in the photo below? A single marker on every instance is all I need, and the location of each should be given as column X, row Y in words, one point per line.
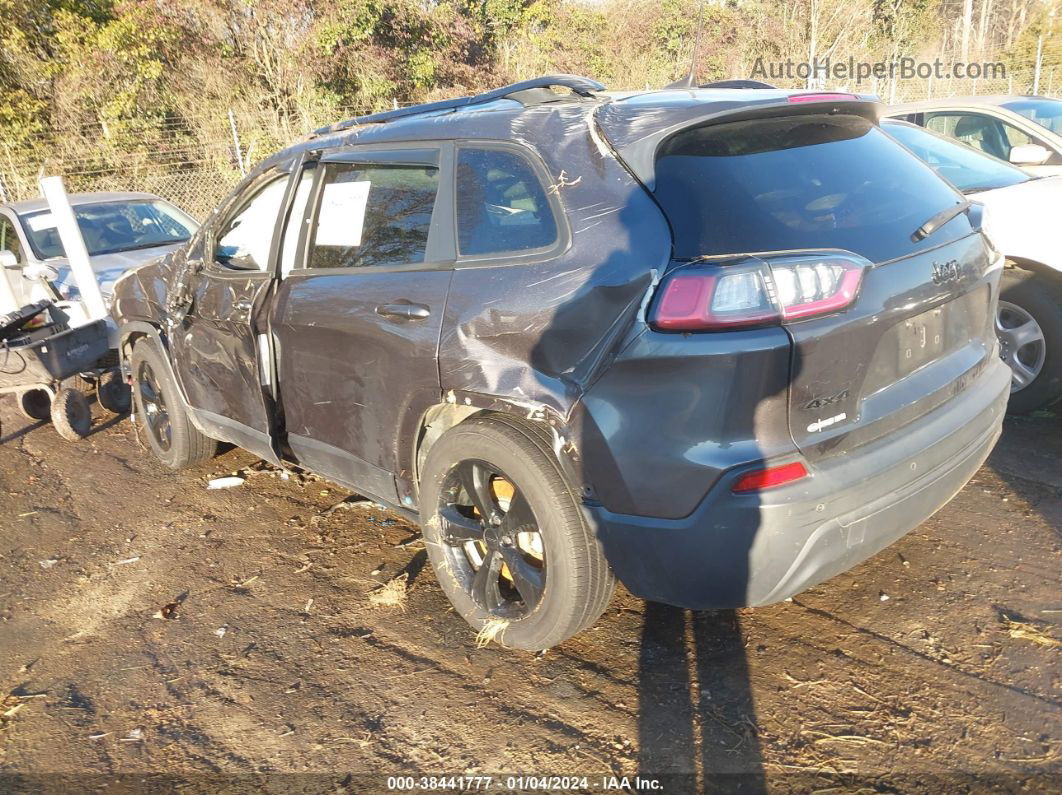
column 43, row 366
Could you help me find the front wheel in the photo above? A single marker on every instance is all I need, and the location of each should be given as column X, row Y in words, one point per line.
column 173, row 438
column 1029, row 327
column 506, row 535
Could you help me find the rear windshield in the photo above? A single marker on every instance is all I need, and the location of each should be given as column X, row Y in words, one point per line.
column 799, row 182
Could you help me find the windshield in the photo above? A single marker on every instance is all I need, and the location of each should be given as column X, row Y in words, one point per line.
column 966, row 168
column 109, row 227
column 799, row 182
column 1045, row 112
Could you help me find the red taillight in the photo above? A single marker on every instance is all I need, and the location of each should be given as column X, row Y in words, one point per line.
column 689, row 302
column 823, row 97
column 757, row 291
column 768, row 478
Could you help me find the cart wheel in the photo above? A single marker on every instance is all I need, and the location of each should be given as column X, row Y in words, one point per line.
column 112, row 393
column 35, row 404
column 70, row 414
column 81, row 384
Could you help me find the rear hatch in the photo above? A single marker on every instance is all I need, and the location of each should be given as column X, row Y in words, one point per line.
column 810, row 192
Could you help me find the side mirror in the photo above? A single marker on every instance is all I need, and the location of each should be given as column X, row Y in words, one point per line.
column 8, row 260
column 1029, row 155
column 38, row 271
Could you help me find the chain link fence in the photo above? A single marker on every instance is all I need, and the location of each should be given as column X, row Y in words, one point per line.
column 195, row 190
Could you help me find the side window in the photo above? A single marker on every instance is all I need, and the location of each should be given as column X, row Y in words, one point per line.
column 369, row 214
column 501, row 205
column 296, row 221
column 1016, row 137
column 244, row 240
column 972, row 129
column 9, row 238
column 940, row 125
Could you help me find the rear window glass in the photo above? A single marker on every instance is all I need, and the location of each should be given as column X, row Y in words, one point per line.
column 799, row 182
column 501, row 205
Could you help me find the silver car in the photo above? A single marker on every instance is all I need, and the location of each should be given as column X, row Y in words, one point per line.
column 1025, row 131
column 121, row 231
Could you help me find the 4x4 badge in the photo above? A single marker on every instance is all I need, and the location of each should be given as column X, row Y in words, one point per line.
column 828, row 400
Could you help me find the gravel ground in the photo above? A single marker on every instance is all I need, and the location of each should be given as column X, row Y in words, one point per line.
column 153, row 630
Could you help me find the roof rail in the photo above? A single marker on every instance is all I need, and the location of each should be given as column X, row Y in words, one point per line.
column 583, row 86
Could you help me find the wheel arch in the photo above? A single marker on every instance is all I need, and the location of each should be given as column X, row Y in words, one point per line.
column 134, row 330
column 1033, row 266
column 461, row 407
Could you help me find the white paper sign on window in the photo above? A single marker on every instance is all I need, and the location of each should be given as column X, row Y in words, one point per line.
column 342, row 214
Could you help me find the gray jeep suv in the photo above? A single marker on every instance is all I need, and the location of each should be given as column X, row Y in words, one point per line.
column 721, row 344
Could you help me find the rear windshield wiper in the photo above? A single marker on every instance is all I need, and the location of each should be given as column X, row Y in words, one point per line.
column 938, row 220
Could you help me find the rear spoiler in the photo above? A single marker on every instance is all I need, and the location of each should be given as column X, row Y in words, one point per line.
column 636, row 137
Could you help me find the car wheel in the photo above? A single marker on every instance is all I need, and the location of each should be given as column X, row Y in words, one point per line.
column 506, row 535
column 159, row 410
column 1029, row 327
column 71, row 415
column 35, row 404
column 112, row 393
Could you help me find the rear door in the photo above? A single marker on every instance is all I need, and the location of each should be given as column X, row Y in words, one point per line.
column 359, row 309
column 920, row 322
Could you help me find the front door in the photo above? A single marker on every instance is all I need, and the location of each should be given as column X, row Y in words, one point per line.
column 358, row 313
column 220, row 352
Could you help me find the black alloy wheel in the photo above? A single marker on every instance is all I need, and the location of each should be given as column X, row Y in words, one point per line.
column 155, row 415
column 492, row 540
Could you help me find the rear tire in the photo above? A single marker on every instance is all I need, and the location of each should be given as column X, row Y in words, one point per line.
column 113, row 394
column 71, row 414
column 1036, row 355
column 174, row 440
column 567, row 571
column 35, row 404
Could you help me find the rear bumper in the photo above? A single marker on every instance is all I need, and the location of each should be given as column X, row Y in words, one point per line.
column 739, row 550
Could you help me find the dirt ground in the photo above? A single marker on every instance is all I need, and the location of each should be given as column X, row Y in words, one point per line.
column 154, row 631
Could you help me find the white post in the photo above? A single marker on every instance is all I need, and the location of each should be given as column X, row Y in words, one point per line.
column 1039, row 63
column 236, row 142
column 74, row 244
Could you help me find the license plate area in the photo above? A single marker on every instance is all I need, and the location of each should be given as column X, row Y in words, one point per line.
column 921, row 339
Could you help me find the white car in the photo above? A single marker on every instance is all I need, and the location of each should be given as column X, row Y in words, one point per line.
column 1023, row 223
column 1025, row 131
column 121, row 231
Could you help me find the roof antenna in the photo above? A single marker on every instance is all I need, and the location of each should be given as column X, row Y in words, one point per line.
column 690, row 80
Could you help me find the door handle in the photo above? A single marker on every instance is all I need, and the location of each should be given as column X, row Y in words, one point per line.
column 404, row 311
column 243, row 305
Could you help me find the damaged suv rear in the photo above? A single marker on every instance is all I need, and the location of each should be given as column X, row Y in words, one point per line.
column 721, row 344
